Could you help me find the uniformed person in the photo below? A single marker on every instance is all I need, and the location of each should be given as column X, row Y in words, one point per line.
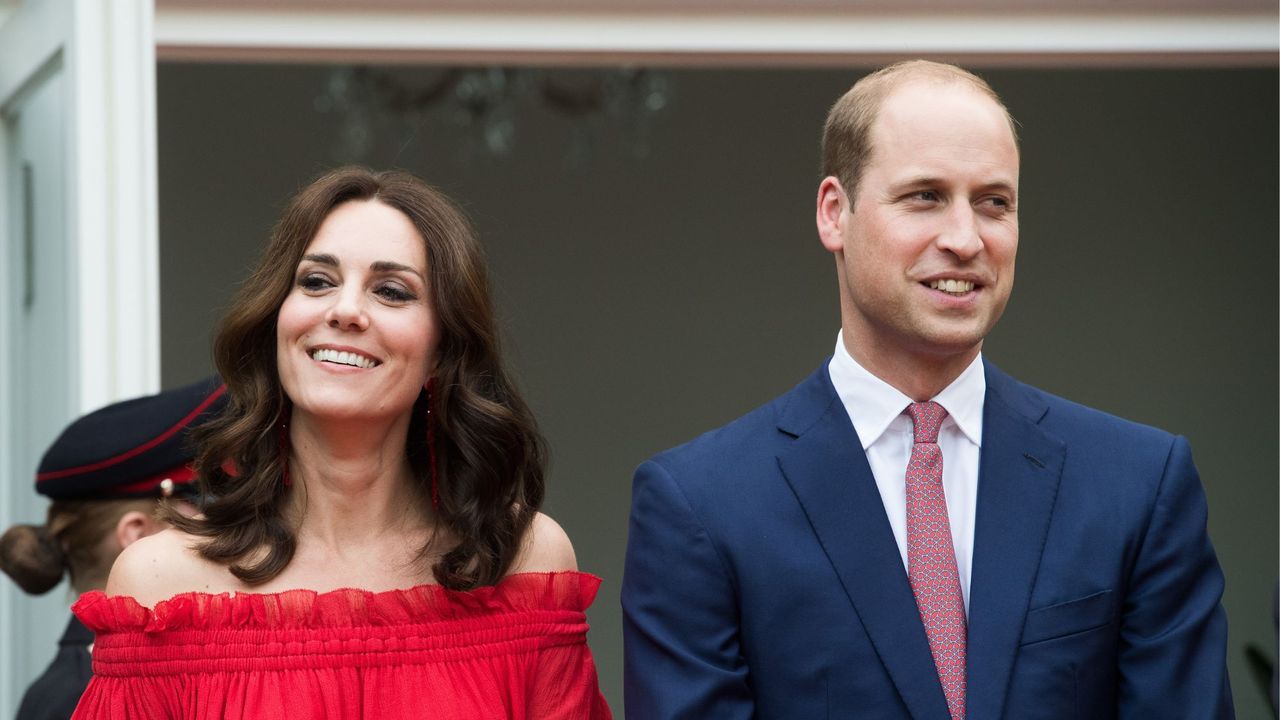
column 104, row 474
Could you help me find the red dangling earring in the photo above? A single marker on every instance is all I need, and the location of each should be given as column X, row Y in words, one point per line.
column 431, row 447
column 283, row 443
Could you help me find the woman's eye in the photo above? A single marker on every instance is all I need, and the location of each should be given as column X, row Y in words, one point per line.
column 395, row 293
column 314, row 282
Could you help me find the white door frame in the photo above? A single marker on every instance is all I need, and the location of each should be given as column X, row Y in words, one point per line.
column 108, row 55
column 102, row 53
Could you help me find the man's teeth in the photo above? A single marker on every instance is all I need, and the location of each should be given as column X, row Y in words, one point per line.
column 342, row 358
column 952, row 286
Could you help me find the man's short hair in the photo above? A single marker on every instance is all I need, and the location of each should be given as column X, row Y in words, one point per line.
column 846, row 136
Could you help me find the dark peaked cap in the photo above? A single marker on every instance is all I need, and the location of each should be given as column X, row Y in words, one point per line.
column 131, row 448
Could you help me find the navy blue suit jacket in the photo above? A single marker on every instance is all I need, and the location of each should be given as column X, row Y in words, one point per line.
column 763, row 580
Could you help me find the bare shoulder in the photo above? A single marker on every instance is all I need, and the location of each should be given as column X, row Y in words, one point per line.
column 159, row 566
column 545, row 548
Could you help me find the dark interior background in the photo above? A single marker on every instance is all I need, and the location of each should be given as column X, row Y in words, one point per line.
column 658, row 273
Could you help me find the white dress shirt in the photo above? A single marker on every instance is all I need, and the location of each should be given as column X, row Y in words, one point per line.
column 878, row 412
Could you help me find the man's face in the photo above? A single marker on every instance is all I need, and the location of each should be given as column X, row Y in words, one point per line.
column 927, row 247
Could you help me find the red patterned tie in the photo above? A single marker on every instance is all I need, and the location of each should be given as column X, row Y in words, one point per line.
column 931, row 557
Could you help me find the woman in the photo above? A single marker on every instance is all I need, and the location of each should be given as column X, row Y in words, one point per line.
column 104, row 474
column 373, row 547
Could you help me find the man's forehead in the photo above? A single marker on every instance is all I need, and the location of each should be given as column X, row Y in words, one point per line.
column 919, row 113
column 937, row 102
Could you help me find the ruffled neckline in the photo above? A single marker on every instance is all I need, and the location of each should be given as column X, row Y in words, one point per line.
column 568, row 591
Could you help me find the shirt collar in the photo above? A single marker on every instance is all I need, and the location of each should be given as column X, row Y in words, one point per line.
column 873, row 404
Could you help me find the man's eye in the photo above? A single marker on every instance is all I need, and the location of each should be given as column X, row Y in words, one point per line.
column 314, row 282
column 926, row 195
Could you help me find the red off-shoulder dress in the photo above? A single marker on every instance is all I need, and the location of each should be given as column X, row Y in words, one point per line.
column 515, row 650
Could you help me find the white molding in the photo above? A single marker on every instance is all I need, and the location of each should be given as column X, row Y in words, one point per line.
column 108, row 56
column 777, row 7
column 8, row 653
column 29, row 38
column 116, row 225
column 691, row 38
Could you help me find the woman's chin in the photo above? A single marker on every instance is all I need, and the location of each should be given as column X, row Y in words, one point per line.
column 332, row 411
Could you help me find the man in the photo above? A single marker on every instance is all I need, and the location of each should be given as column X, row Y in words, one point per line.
column 910, row 533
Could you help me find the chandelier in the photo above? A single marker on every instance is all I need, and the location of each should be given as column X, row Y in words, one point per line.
column 492, row 108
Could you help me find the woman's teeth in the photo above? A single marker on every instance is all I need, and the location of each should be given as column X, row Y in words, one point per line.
column 342, row 358
column 957, row 287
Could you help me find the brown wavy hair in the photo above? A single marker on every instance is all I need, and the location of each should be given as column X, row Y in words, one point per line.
column 490, row 457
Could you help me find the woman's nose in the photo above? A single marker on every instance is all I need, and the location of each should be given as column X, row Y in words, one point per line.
column 348, row 311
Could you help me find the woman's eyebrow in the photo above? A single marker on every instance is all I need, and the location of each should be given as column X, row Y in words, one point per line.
column 389, row 266
column 323, row 259
column 381, row 266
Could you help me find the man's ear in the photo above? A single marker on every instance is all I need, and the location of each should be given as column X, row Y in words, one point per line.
column 134, row 525
column 833, row 209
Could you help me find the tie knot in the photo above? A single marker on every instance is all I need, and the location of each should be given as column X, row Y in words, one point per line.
column 927, row 417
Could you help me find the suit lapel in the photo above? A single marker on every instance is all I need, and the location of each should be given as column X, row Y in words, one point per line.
column 1017, row 486
column 828, row 472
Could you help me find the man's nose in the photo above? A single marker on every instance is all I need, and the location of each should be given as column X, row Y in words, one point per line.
column 348, row 311
column 962, row 235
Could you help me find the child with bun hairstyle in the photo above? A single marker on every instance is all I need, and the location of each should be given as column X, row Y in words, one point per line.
column 106, row 475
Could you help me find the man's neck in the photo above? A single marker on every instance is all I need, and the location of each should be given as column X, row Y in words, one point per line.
column 918, row 376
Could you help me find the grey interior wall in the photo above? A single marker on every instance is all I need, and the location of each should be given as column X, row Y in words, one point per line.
column 646, row 300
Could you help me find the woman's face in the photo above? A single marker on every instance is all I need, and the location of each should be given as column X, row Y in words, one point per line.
column 356, row 336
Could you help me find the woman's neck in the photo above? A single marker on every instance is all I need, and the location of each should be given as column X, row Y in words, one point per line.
column 353, row 486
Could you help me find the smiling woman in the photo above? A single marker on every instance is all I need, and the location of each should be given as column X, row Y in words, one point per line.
column 372, row 530
column 356, row 337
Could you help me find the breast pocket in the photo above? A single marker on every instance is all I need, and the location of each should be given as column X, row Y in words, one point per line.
column 1068, row 618
column 1065, row 666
